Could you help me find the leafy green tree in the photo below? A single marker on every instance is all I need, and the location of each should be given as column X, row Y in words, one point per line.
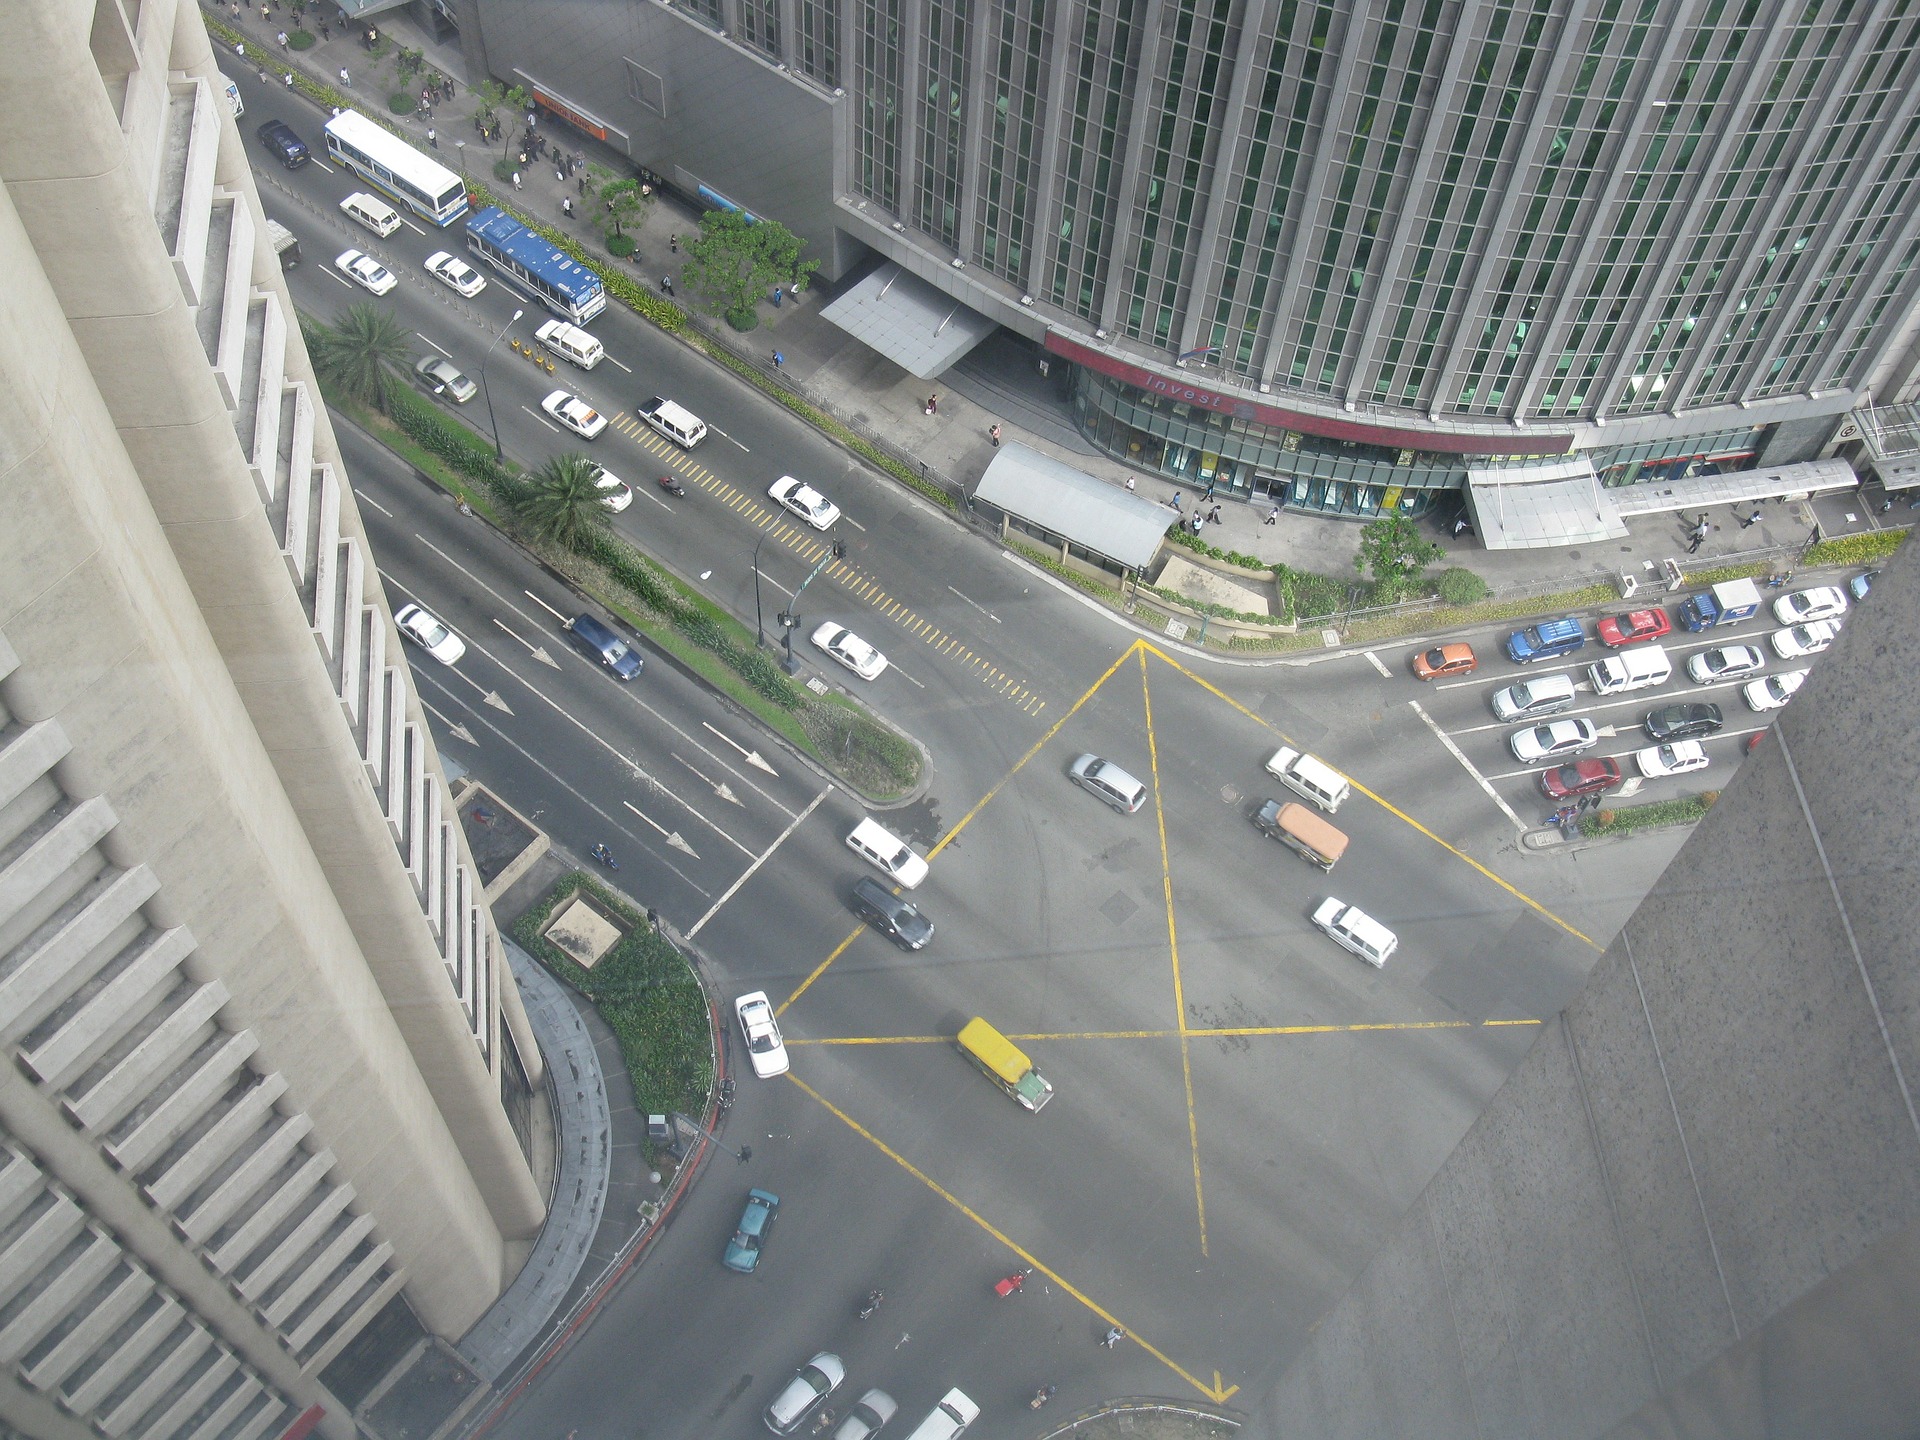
column 560, row 502
column 734, row 261
column 363, row 355
column 627, row 203
column 1391, row 548
column 493, row 97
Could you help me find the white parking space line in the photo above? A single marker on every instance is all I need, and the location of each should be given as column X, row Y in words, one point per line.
column 747, row 874
column 1378, row 664
column 1466, row 764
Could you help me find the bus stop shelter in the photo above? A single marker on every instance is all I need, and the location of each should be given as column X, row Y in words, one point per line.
column 1071, row 513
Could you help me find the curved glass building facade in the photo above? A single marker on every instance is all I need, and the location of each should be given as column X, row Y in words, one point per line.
column 1383, row 244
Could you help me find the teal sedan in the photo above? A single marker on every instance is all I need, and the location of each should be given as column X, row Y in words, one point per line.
column 756, row 1223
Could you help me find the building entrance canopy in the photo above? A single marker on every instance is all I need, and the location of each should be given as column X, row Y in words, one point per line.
column 1048, row 495
column 921, row 329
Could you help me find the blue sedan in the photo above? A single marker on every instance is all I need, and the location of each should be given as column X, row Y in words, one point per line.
column 756, row 1223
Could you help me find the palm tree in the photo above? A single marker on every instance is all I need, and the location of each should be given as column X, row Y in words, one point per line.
column 363, row 355
column 560, row 502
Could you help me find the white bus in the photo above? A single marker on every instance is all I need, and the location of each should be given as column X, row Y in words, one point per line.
column 424, row 186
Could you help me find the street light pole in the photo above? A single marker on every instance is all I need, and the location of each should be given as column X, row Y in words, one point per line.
column 498, row 453
column 759, row 626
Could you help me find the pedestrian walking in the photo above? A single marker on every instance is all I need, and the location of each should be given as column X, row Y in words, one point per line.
column 566, row 206
column 432, row 138
column 516, row 179
column 1176, row 502
column 326, row 33
column 673, row 244
column 1273, row 516
column 994, row 435
column 1198, row 520
column 345, row 78
column 1129, row 484
column 582, row 182
column 933, row 404
column 560, row 176
column 288, row 77
column 282, row 38
column 1112, row 1338
column 1752, row 519
column 1209, row 494
column 1213, row 516
column 778, row 359
column 666, row 284
column 241, row 49
column 1695, row 542
column 266, row 12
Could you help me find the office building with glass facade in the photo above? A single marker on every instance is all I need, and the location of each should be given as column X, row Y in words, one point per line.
column 1337, row 255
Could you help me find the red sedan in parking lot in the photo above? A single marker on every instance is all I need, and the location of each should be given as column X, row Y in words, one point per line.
column 1582, row 777
column 1633, row 627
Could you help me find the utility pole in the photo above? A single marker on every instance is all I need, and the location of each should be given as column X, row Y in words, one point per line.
column 790, row 616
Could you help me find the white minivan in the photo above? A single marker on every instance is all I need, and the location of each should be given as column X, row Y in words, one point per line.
column 675, row 422
column 1351, row 928
column 1631, row 669
column 1309, row 778
column 887, row 853
column 378, row 216
column 571, row 344
column 948, row 1419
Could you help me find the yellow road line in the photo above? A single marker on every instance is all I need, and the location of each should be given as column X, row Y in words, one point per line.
column 1173, row 957
column 1382, row 802
column 987, row 1227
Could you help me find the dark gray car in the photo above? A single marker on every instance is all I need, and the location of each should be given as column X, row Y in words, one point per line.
column 894, row 917
column 1683, row 722
column 595, row 639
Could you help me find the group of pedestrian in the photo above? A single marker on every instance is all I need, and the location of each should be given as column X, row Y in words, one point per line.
column 1697, row 536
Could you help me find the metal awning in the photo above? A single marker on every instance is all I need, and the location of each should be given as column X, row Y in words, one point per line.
column 1526, row 507
column 1734, row 487
column 1097, row 516
column 919, row 328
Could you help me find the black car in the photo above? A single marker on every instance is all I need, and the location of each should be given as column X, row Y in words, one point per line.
column 593, row 638
column 1683, row 722
column 285, row 146
column 898, row 920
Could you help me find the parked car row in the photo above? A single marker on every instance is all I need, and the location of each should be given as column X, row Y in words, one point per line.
column 814, row 1381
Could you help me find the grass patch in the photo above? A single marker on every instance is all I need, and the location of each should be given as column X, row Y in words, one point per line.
column 1623, row 820
column 646, row 991
column 1856, row 549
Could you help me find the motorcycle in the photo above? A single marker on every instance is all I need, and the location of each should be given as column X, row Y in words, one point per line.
column 871, row 1304
column 605, row 857
column 1040, row 1397
column 1010, row 1284
column 672, row 486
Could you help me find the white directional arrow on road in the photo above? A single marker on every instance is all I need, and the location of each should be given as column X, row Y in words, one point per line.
column 752, row 756
column 535, row 651
column 672, row 837
column 1607, row 730
column 723, row 790
column 490, row 697
column 460, row 732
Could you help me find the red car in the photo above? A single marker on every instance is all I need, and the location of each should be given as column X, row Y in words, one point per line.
column 1633, row 627
column 1582, row 777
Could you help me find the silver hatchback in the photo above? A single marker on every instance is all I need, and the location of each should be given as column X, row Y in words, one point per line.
column 1109, row 782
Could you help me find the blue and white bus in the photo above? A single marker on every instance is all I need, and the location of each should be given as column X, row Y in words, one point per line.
column 542, row 270
column 389, row 163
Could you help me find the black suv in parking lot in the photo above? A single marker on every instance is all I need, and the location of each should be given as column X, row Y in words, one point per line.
column 892, row 916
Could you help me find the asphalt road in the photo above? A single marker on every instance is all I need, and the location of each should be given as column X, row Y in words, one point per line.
column 1241, row 1107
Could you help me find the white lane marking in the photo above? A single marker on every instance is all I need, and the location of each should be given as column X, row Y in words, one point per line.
column 1466, row 764
column 904, row 676
column 541, row 416
column 1378, row 664
column 611, row 361
column 723, row 435
column 855, row 524
column 752, row 757
column 430, row 341
column 613, row 821
column 366, row 499
column 812, row 804
column 672, row 837
column 976, row 605
column 656, row 499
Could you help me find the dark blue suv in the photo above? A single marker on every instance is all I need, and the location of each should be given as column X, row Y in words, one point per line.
column 595, row 639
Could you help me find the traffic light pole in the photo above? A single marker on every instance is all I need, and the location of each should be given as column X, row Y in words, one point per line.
column 790, row 617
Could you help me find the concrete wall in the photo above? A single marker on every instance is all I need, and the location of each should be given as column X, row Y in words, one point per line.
column 1695, row 1207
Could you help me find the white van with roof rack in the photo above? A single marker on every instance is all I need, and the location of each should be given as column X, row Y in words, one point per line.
column 676, row 422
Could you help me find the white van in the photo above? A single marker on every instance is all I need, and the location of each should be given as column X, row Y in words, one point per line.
column 949, row 1419
column 1309, row 778
column 233, row 99
column 571, row 344
column 1531, row 699
column 1632, row 669
column 887, row 853
column 374, row 213
column 679, row 425
column 1351, row 928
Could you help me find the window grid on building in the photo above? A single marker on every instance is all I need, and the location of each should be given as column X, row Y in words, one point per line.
column 706, row 11
column 876, row 125
column 760, row 25
column 1842, row 371
column 1371, row 140
column 817, row 55
column 1887, row 203
column 1480, row 130
column 945, row 37
column 1017, row 49
column 1271, row 164
column 1091, row 131
column 1168, row 198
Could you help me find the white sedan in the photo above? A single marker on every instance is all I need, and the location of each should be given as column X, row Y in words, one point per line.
column 850, row 650
column 1553, row 740
column 1682, row 757
column 574, row 413
column 615, row 493
column 761, row 1031
column 1802, row 640
column 456, row 273
column 1823, row 602
column 365, row 270
column 1773, row 692
column 805, row 501
column 1729, row 662
column 429, row 634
